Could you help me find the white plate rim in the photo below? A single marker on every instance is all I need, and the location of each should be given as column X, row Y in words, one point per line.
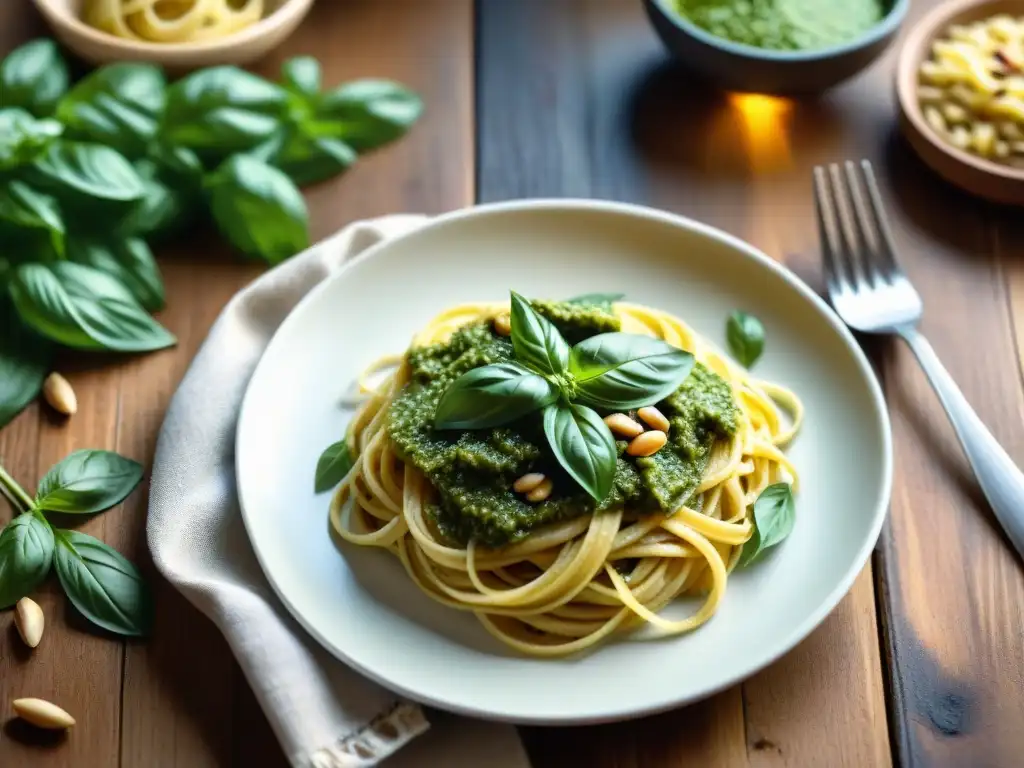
column 664, row 703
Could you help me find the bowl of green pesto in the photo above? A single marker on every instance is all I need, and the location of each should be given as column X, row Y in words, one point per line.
column 777, row 46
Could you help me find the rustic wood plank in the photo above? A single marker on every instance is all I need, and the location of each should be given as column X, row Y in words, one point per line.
column 183, row 701
column 596, row 110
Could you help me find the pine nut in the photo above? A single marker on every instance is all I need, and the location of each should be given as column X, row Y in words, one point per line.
column 59, row 394
column 541, row 492
column 647, row 444
column 503, row 324
column 621, row 425
column 28, row 618
column 653, row 418
column 527, row 483
column 42, row 713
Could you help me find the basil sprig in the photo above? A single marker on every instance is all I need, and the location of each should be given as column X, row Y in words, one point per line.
column 104, row 587
column 610, row 371
column 93, row 172
column 774, row 517
column 745, row 335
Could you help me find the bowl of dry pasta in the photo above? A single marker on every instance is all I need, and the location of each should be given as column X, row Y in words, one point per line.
column 960, row 84
column 177, row 34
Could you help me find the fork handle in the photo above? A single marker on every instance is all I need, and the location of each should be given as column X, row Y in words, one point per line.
column 1000, row 479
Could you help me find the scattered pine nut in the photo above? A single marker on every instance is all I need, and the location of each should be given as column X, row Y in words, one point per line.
column 653, row 418
column 541, row 492
column 527, row 483
column 59, row 394
column 647, row 444
column 503, row 324
column 28, row 618
column 622, row 426
column 42, row 714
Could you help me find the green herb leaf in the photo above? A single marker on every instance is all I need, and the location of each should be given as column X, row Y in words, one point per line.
column 301, row 74
column 583, row 445
column 101, row 584
column 491, row 396
column 618, row 371
column 774, row 517
column 601, row 300
column 84, row 308
column 335, row 462
column 118, row 105
column 369, row 113
column 26, row 552
column 23, row 138
column 24, row 362
column 259, row 209
column 306, row 160
column 745, row 335
column 130, row 261
column 88, row 481
column 537, row 343
column 89, row 170
column 34, row 77
column 221, row 110
column 23, row 206
column 173, row 195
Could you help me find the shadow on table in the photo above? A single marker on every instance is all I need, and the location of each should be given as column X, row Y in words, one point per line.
column 680, row 122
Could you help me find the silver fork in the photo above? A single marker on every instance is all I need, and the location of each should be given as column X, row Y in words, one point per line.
column 871, row 294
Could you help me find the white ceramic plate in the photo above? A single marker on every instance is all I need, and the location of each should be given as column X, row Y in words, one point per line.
column 359, row 603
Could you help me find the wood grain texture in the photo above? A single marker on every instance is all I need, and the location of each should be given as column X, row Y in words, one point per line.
column 178, row 699
column 594, row 109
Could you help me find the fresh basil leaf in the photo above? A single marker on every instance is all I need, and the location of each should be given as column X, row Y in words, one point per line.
column 583, row 445
column 619, row 371
column 491, row 396
column 369, row 113
column 225, row 131
column 26, row 553
column 335, row 462
column 81, row 307
column 222, row 110
column 745, row 335
column 88, row 481
column 259, row 209
column 90, row 170
column 34, row 77
column 102, row 584
column 306, row 160
column 301, row 74
column 23, row 138
column 24, row 362
column 774, row 518
column 130, row 261
column 23, row 206
column 118, row 105
column 180, row 161
column 602, row 300
column 537, row 343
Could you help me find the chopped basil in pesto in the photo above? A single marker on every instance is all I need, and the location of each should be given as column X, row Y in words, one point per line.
column 784, row 24
column 473, row 470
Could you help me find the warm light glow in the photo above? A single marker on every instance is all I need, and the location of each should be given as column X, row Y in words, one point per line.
column 763, row 121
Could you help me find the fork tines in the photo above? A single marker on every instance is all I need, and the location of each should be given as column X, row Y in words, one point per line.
column 855, row 234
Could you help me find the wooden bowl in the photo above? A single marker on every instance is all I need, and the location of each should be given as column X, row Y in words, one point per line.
column 985, row 178
column 97, row 47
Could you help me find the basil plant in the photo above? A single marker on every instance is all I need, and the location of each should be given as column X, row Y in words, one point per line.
column 608, row 372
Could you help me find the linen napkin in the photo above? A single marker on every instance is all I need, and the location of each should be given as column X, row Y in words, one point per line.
column 324, row 714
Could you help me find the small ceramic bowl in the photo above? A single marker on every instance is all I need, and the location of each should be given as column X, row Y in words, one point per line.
column 985, row 178
column 97, row 47
column 740, row 67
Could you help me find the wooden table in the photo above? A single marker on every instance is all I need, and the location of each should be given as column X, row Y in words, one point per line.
column 923, row 662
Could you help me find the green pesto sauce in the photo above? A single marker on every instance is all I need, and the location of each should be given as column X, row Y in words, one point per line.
column 786, row 25
column 473, row 470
